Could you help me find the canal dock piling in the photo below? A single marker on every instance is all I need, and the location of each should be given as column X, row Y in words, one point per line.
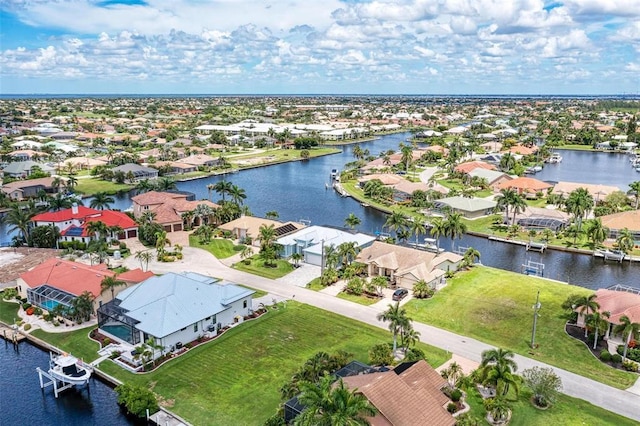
column 11, row 334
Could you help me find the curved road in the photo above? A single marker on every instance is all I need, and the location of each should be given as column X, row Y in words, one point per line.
column 623, row 402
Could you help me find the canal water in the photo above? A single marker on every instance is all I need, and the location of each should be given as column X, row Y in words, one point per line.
column 22, row 401
column 297, row 191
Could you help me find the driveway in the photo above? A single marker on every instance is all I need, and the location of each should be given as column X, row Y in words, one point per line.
column 619, row 401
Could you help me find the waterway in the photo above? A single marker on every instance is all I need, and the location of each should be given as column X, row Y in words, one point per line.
column 22, row 401
column 297, row 190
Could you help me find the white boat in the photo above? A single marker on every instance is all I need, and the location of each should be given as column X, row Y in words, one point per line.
column 555, row 158
column 334, row 173
column 69, row 369
column 431, row 244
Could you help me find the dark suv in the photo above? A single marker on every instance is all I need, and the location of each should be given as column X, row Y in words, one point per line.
column 400, row 294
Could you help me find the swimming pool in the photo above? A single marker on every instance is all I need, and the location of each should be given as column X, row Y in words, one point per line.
column 49, row 304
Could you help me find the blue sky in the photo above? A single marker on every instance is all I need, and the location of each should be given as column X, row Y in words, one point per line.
column 328, row 46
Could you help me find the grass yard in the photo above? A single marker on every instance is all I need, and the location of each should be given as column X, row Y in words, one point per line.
column 92, row 185
column 234, row 380
column 315, row 285
column 494, row 306
column 363, row 300
column 256, row 267
column 76, row 342
column 567, row 411
column 219, row 247
column 9, row 312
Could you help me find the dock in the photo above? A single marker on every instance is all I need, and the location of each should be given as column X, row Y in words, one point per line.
column 616, row 256
column 166, row 418
column 340, row 190
column 533, row 246
column 11, row 334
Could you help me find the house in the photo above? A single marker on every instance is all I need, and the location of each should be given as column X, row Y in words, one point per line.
column 525, row 185
column 409, row 395
column 169, row 208
column 405, row 266
column 57, row 282
column 26, row 154
column 619, row 221
column 311, row 242
column 174, row 309
column 472, row 165
column 597, row 191
column 249, row 226
column 22, row 189
column 139, row 172
column 73, row 223
column 175, row 167
column 200, row 160
column 22, row 169
column 470, row 208
column 493, row 177
column 84, row 163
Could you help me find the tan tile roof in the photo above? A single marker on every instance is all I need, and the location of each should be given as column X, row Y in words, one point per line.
column 598, row 192
column 619, row 303
column 170, row 206
column 629, row 219
column 471, row 165
column 411, row 398
column 525, row 184
column 155, row 197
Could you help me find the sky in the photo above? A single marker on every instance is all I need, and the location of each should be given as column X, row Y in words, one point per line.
column 320, row 46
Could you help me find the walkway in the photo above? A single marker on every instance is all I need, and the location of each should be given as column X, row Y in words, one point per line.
column 619, row 401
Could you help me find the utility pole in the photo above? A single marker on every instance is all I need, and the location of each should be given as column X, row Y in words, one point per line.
column 536, row 308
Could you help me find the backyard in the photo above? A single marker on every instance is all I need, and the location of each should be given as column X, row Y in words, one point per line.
column 235, row 378
column 494, row 306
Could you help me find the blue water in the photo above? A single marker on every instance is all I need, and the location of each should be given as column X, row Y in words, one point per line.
column 49, row 305
column 23, row 402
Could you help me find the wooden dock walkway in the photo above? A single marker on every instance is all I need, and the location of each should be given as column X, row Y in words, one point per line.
column 166, row 418
column 10, row 334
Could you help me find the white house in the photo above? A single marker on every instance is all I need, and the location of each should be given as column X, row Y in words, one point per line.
column 312, row 242
column 174, row 309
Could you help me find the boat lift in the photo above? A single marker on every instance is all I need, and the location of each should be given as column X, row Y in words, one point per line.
column 533, row 268
column 59, row 384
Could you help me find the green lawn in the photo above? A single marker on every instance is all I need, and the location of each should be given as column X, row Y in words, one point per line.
column 219, row 247
column 234, row 380
column 567, row 411
column 315, row 285
column 363, row 300
column 495, row 306
column 9, row 312
column 256, row 267
column 76, row 342
column 93, row 185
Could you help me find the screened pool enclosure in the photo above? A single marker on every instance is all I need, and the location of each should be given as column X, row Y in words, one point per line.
column 47, row 297
column 112, row 319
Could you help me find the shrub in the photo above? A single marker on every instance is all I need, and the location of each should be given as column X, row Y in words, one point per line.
column 30, row 310
column 37, row 311
column 381, row 354
column 9, row 293
column 616, row 358
column 26, row 306
column 452, row 407
column 605, row 356
column 456, row 394
column 27, row 327
column 544, row 383
column 122, row 245
column 355, row 286
column 627, row 365
column 137, row 399
column 106, row 341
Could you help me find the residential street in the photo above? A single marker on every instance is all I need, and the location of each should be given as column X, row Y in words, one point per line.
column 622, row 402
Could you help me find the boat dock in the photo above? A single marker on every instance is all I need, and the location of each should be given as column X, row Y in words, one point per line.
column 615, row 255
column 533, row 246
column 340, row 190
column 166, row 418
column 11, row 334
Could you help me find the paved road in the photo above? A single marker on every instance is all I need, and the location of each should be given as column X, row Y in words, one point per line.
column 619, row 401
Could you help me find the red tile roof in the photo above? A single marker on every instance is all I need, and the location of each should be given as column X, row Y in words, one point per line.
column 472, row 165
column 64, row 215
column 619, row 303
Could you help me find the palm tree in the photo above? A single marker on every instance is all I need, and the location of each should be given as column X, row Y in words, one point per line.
column 223, row 188
column 518, row 204
column 331, row 256
column 599, row 322
column 498, row 369
column 19, row 219
column 71, row 182
column 630, row 330
column 246, row 253
column 454, row 227
column 471, row 255
column 328, row 404
column 110, row 283
column 144, row 185
column 82, row 307
column 98, row 229
column 296, row 257
column 237, row 194
column 352, row 221
column 165, row 184
column 507, row 162
column 409, row 337
column 587, row 305
column 161, row 242
column 396, row 221
column 579, row 204
column 267, row 236
column 635, row 190
column 438, row 229
column 625, row 241
column 499, row 356
column 396, row 317
column 147, row 217
column 596, row 232
column 418, row 227
column 272, row 214
column 505, row 199
column 101, row 200
column 144, row 257
column 407, row 156
column 348, row 251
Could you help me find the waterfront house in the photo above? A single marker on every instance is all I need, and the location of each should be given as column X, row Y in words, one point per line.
column 73, row 223
column 249, row 227
column 525, row 185
column 472, row 165
column 597, row 191
column 616, row 222
column 169, row 208
column 494, row 178
column 175, row 167
column 405, row 266
column 470, row 208
column 58, row 281
column 22, row 169
column 174, row 309
column 311, row 242
column 409, row 395
column 200, row 160
column 137, row 171
column 20, row 190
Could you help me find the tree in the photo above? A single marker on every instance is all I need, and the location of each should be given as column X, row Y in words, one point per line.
column 596, row 232
column 407, row 156
column 453, row 373
column 161, row 241
column 418, row 227
column 505, row 199
column 110, row 283
column 45, row 236
column 396, row 221
column 629, row 330
column 137, row 399
column 507, row 162
column 544, row 383
column 348, row 251
column 635, row 190
column 204, row 233
column 587, row 305
column 59, row 202
column 470, row 256
column 438, row 229
column 101, row 200
column 498, row 408
column 272, row 214
column 165, row 184
column 328, row 404
column 97, row 229
column 144, row 257
column 454, row 226
column 296, row 257
column 82, row 307
column 352, row 221
column 237, row 195
column 422, row 290
column 223, row 188
column 579, row 204
column 598, row 321
column 396, row 317
column 381, row 354
column 625, row 241
column 501, row 377
column 19, row 219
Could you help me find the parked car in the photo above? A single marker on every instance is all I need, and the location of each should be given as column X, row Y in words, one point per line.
column 400, row 294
